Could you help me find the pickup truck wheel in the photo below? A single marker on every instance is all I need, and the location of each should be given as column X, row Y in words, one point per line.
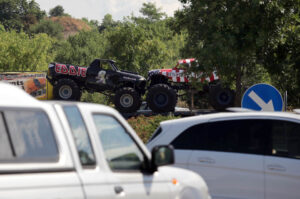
column 221, row 98
column 161, row 98
column 127, row 100
column 66, row 89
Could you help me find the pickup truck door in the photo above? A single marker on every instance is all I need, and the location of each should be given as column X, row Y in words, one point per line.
column 125, row 161
column 94, row 179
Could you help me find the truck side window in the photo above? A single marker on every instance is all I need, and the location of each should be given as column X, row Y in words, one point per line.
column 105, row 66
column 120, row 150
column 32, row 136
column 80, row 134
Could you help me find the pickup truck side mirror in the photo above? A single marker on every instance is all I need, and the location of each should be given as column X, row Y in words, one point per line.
column 162, row 155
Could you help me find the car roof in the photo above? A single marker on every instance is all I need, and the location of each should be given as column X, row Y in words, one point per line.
column 230, row 115
column 62, row 102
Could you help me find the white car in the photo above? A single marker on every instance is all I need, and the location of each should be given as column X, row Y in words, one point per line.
column 239, row 155
column 79, row 150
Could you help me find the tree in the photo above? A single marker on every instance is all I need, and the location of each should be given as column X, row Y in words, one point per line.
column 81, row 49
column 233, row 35
column 19, row 52
column 19, row 14
column 49, row 27
column 141, row 47
column 282, row 60
column 57, row 11
column 152, row 13
column 2, row 29
column 107, row 22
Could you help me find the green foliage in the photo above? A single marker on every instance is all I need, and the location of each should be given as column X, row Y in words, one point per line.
column 49, row 27
column 19, row 14
column 107, row 23
column 233, row 35
column 95, row 98
column 151, row 12
column 145, row 126
column 81, row 49
column 57, row 11
column 141, row 47
column 2, row 29
column 19, row 52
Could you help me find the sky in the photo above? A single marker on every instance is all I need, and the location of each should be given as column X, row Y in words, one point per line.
column 96, row 9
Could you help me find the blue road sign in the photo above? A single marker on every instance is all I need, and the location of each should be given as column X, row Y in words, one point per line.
column 262, row 97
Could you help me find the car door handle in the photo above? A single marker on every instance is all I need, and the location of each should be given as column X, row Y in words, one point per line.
column 118, row 189
column 206, row 160
column 276, row 167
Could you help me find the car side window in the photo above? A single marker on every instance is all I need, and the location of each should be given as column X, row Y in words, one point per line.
column 191, row 139
column 285, row 139
column 239, row 136
column 120, row 150
column 30, row 136
column 80, row 135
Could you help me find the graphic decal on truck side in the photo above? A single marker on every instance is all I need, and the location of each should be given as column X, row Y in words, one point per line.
column 71, row 70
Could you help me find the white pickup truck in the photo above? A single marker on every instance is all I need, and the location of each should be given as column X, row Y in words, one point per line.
column 64, row 150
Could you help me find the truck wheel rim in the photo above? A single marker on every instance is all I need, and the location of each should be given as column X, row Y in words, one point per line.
column 224, row 98
column 65, row 92
column 126, row 100
column 161, row 99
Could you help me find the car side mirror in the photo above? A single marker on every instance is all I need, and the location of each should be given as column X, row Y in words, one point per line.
column 162, row 155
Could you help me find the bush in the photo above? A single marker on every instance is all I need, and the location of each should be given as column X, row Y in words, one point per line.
column 19, row 52
column 49, row 27
column 145, row 126
column 97, row 98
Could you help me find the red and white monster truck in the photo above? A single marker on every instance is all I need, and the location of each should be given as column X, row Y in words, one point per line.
column 165, row 83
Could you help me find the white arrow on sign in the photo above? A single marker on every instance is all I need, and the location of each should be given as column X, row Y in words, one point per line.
column 263, row 105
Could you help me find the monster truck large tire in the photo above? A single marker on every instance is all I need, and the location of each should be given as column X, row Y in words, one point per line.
column 221, row 98
column 161, row 98
column 66, row 89
column 127, row 100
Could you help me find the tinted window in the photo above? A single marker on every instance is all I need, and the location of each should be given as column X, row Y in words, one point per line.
column 120, row 150
column 32, row 136
column 241, row 136
column 192, row 138
column 285, row 139
column 80, row 135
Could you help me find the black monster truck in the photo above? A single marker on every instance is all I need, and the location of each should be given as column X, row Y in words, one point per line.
column 164, row 84
column 101, row 76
